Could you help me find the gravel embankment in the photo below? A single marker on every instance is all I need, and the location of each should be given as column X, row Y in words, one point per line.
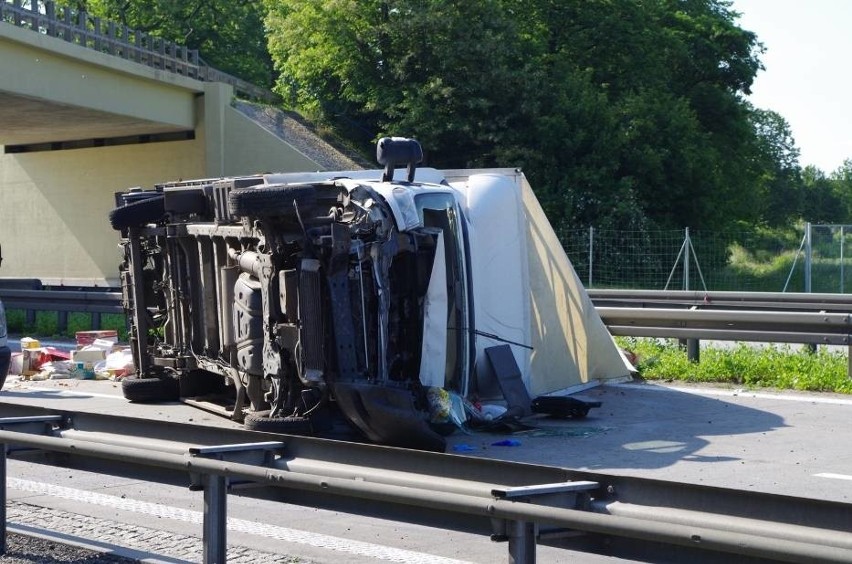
column 285, row 126
column 22, row 549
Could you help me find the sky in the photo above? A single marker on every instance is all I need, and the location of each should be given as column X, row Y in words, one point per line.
column 808, row 76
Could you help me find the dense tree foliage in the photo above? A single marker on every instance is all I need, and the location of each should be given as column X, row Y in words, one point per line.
column 229, row 34
column 622, row 113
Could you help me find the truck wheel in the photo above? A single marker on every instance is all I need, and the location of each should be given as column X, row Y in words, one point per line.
column 138, row 213
column 261, row 421
column 149, row 390
column 271, row 200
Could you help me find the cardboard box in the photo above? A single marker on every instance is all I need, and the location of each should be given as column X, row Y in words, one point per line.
column 86, row 360
column 85, row 338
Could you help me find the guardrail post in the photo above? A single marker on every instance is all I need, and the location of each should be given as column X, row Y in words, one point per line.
column 522, row 535
column 216, row 492
column 521, row 542
column 849, row 362
column 39, row 421
column 2, row 499
column 693, row 350
column 215, row 525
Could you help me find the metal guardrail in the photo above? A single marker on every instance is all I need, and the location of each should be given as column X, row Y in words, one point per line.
column 730, row 325
column 762, row 301
column 816, row 319
column 63, row 302
column 765, row 317
column 579, row 503
column 79, row 28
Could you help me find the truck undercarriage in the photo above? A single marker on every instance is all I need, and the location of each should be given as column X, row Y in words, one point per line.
column 299, row 300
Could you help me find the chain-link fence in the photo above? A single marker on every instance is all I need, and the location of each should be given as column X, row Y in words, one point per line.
column 813, row 258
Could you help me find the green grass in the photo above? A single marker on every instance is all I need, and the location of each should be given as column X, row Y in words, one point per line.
column 47, row 324
column 767, row 367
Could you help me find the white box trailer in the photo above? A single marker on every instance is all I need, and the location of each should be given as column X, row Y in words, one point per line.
column 303, row 295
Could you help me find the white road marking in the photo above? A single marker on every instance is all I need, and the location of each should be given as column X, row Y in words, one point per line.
column 15, row 385
column 737, row 393
column 834, row 476
column 295, row 536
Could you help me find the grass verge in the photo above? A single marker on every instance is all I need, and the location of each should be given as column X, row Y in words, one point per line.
column 46, row 324
column 781, row 367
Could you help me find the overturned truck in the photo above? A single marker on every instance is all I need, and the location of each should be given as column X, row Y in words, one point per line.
column 300, row 297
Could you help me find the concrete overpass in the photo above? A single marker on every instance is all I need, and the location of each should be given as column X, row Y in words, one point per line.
column 88, row 108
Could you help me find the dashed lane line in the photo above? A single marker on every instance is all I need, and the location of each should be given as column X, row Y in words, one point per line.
column 834, row 476
column 316, row 540
column 738, row 393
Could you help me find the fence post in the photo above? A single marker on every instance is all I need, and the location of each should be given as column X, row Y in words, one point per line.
column 693, row 346
column 34, row 20
column 83, row 26
column 808, row 250
column 111, row 37
column 686, row 246
column 140, row 57
column 50, row 14
column 98, row 35
column 591, row 253
column 67, row 32
column 125, row 42
column 842, row 236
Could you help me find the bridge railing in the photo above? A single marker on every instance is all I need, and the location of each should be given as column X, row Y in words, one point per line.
column 105, row 36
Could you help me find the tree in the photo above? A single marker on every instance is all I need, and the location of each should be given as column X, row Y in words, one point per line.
column 446, row 72
column 779, row 178
column 821, row 201
column 621, row 112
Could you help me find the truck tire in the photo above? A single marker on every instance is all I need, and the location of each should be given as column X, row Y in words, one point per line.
column 149, row 390
column 136, row 214
column 271, row 200
column 261, row 421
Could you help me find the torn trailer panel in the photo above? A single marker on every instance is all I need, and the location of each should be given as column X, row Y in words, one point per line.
column 305, row 295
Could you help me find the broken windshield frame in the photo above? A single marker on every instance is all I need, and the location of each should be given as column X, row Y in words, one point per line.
column 440, row 210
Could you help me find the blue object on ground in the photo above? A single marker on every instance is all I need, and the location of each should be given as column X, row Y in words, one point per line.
column 507, row 442
column 463, row 448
